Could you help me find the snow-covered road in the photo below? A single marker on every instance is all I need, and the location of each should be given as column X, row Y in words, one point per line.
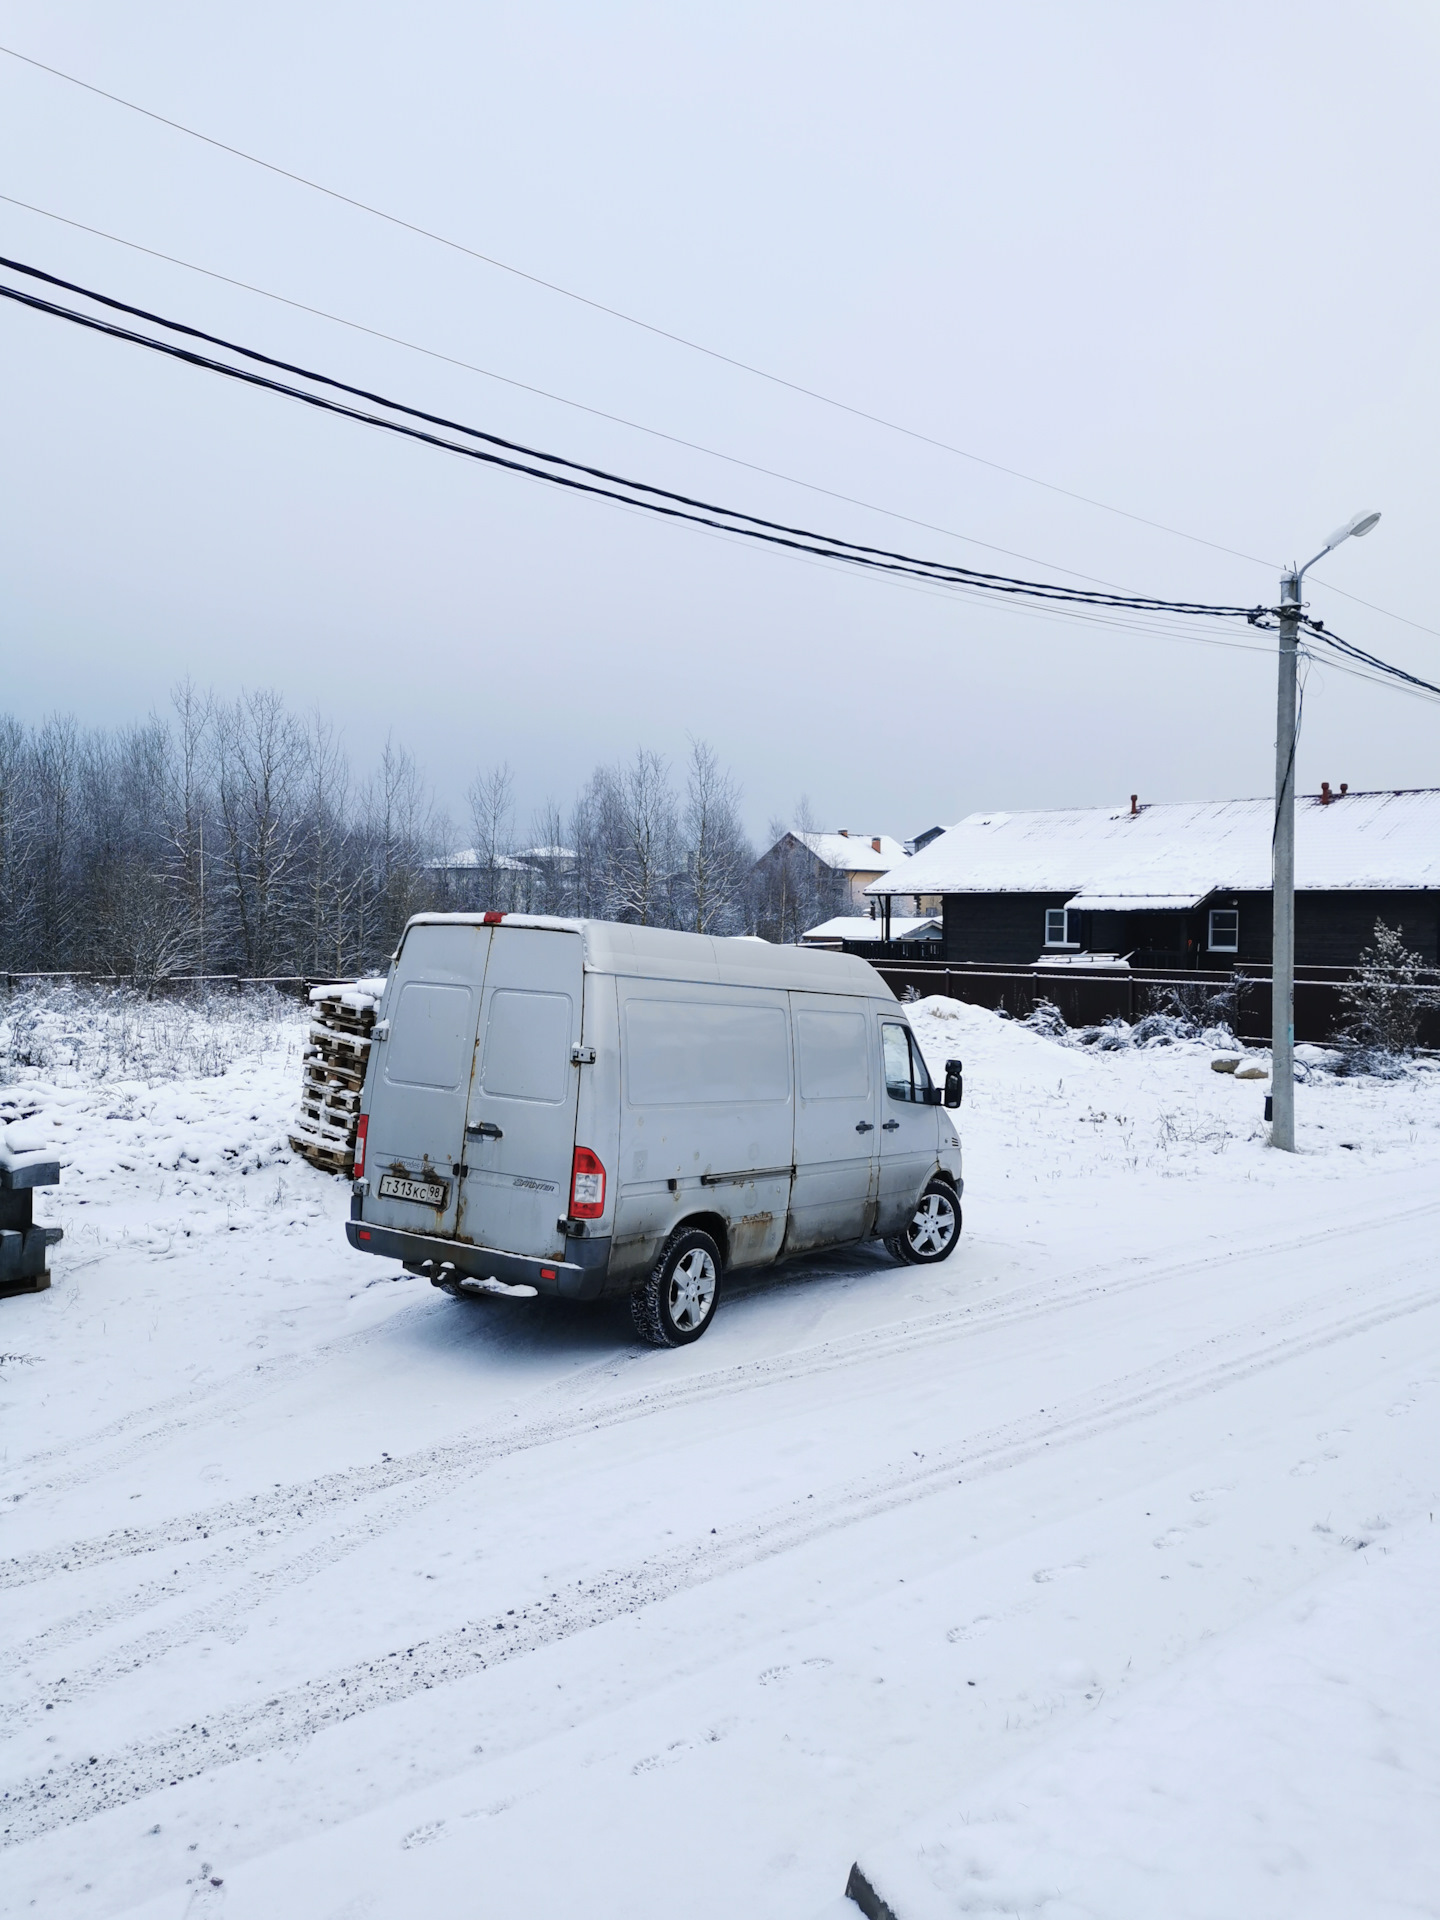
column 327, row 1595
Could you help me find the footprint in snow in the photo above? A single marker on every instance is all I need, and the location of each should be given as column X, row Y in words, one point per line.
column 422, row 1836
column 771, row 1674
column 1055, row 1573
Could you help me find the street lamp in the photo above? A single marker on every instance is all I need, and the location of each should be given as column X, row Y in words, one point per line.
column 1282, row 1017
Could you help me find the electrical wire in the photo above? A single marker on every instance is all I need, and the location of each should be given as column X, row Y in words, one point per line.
column 617, row 313
column 1322, row 633
column 543, row 393
column 684, row 507
column 1148, row 614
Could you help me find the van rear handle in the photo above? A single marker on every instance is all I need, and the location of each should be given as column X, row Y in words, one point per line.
column 485, row 1130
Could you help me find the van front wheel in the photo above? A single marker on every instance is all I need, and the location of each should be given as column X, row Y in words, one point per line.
column 933, row 1228
column 677, row 1303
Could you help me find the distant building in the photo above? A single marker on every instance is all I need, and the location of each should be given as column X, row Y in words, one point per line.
column 1179, row 885
column 839, row 864
column 854, row 933
column 532, row 881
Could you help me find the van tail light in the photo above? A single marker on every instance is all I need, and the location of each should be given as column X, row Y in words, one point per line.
column 362, row 1127
column 587, row 1186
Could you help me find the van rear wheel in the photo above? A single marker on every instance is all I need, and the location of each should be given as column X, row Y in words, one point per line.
column 932, row 1230
column 677, row 1303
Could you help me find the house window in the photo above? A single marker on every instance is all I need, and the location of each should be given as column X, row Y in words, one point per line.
column 1057, row 927
column 1224, row 930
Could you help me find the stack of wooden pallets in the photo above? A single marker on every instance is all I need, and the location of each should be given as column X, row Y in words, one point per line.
column 336, row 1053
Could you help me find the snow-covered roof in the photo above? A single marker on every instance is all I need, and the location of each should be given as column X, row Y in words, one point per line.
column 861, row 927
column 855, row 852
column 1101, row 901
column 473, row 858
column 1183, row 851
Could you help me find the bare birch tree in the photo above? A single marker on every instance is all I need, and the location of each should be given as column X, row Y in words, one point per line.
column 491, row 797
column 719, row 857
column 259, row 762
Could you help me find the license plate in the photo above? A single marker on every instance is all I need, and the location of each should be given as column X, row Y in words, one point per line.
column 430, row 1193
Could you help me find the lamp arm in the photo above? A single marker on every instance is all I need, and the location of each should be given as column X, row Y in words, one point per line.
column 1298, row 577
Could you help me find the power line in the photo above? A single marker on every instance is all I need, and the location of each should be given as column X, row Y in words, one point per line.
column 683, row 507
column 1419, row 625
column 1319, row 631
column 580, row 406
column 1155, row 613
column 617, row 313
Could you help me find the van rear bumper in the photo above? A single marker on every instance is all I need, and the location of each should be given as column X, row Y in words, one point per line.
column 579, row 1277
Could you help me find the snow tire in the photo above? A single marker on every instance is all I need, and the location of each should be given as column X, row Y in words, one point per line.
column 677, row 1303
column 933, row 1232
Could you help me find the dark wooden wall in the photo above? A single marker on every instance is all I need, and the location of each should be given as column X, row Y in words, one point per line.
column 1008, row 929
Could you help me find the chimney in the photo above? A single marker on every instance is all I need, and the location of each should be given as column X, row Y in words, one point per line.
column 1325, row 794
column 876, row 843
column 1134, row 805
column 1344, row 786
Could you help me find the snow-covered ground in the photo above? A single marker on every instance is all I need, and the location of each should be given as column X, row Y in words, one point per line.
column 1087, row 1573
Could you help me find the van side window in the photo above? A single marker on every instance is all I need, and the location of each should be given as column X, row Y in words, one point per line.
column 834, row 1059
column 527, row 1045
column 432, row 1036
column 905, row 1070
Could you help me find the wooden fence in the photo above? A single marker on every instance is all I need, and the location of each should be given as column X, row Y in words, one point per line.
column 1087, row 997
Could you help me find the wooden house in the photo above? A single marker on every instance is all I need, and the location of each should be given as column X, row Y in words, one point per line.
column 1181, row 885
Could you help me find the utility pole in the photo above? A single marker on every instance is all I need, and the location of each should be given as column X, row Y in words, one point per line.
column 1282, row 870
column 1282, row 856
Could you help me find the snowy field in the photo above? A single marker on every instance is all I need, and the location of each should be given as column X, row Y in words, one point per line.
column 1089, row 1573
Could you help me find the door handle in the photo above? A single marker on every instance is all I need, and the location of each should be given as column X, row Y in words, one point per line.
column 485, row 1130
column 890, row 1126
column 864, row 1126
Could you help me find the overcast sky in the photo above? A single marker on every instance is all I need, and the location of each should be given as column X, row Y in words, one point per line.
column 1181, row 260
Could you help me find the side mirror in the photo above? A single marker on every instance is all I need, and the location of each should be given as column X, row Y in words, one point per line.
column 954, row 1082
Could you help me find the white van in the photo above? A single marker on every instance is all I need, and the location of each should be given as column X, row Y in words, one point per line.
column 577, row 1108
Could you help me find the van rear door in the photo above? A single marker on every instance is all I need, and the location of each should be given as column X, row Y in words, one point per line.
column 520, row 1124
column 421, row 1080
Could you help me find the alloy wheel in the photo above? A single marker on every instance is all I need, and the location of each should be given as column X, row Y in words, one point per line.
column 692, row 1289
column 932, row 1227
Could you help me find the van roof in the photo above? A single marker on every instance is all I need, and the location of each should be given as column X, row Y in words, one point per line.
column 659, row 953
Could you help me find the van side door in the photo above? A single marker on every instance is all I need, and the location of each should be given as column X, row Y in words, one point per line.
column 836, row 1134
column 909, row 1127
column 520, row 1123
column 420, row 1079
column 706, row 1119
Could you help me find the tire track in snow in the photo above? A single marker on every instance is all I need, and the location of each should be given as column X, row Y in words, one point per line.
column 223, row 1614
column 203, row 1405
column 74, row 1791
column 271, row 1516
column 203, row 1402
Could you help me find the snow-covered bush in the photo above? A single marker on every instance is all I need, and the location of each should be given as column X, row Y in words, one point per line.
column 1386, row 1000
column 1045, row 1017
column 94, row 1034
